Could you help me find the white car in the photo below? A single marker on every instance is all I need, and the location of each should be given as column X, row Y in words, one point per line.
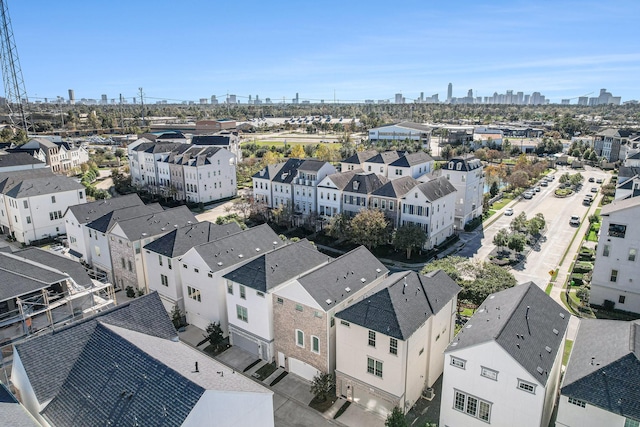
column 508, row 211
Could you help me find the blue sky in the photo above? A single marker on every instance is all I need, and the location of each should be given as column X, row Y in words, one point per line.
column 356, row 49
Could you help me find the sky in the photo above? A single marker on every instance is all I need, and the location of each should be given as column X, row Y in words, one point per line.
column 326, row 50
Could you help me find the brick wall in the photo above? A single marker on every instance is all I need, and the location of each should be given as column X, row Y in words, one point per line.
column 121, row 248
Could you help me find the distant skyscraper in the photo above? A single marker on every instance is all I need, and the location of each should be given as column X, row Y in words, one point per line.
column 583, row 100
column 103, row 100
column 470, row 93
column 449, row 92
column 398, row 98
column 565, row 102
column 72, row 97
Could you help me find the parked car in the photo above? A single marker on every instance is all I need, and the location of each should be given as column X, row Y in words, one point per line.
column 599, row 181
column 587, row 200
column 594, row 189
column 527, row 194
column 575, row 220
column 508, row 211
column 536, row 189
column 592, row 179
column 544, row 184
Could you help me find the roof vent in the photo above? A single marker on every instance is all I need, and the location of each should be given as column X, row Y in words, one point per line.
column 555, row 331
column 562, row 315
column 378, row 270
column 257, row 249
column 219, row 263
column 363, row 279
column 328, row 301
column 540, row 370
column 240, row 256
column 348, row 289
column 548, row 349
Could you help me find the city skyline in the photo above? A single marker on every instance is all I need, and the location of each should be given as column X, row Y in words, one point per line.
column 330, row 51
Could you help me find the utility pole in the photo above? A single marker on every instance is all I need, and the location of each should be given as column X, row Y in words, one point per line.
column 142, row 103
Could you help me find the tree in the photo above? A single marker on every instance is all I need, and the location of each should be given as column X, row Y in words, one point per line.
column 396, row 418
column 338, row 226
column 519, row 223
column 321, row 385
column 518, row 179
column 494, row 190
column 369, row 228
column 214, row 334
column 517, row 242
column 176, row 316
column 583, row 293
column 501, row 239
column 408, row 237
column 536, row 224
column 297, row 151
column 270, row 158
column 594, row 219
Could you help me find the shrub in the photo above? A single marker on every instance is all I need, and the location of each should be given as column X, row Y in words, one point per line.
column 131, row 293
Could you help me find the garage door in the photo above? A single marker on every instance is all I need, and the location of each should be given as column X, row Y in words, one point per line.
column 245, row 343
column 302, row 369
column 198, row 321
column 363, row 396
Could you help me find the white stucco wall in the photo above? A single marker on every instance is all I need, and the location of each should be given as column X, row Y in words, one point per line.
column 570, row 415
column 232, row 409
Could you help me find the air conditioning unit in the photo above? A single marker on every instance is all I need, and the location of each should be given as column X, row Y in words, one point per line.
column 428, row 394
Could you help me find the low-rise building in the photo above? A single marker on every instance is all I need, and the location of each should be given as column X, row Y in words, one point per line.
column 467, row 176
column 330, row 190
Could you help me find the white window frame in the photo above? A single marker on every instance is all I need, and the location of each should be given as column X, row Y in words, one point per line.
column 375, row 367
column 300, row 338
column 492, row 374
column 242, row 313
column 315, row 341
column 458, row 363
column 471, row 405
column 526, row 386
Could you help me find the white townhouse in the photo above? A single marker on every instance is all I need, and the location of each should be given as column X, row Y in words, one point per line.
column 431, row 206
column 33, row 203
column 77, row 217
column 356, row 161
column 330, row 192
column 143, row 159
column 97, row 242
column 304, row 310
column 467, row 176
column 388, row 198
column 128, row 236
column 600, row 384
column 10, row 162
column 161, row 258
column 504, row 365
column 614, row 281
column 250, row 289
column 413, row 165
column 402, row 131
column 389, row 345
column 202, row 269
column 305, row 194
column 262, row 188
column 358, row 191
column 379, row 164
column 227, row 140
column 273, row 185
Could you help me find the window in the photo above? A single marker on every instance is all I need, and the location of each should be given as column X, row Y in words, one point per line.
column 605, row 250
column 129, row 265
column 299, row 307
column 632, row 254
column 194, row 294
column 317, row 314
column 242, row 313
column 614, row 276
column 164, row 280
column 169, row 263
column 631, row 423
column 374, row 367
column 489, row 373
column 26, row 205
column 393, row 346
column 81, row 195
column 279, row 300
column 458, row 363
column 315, row 344
column 160, row 260
column 472, row 406
column 347, row 324
column 617, row 230
column 53, row 199
column 243, row 292
column 299, row 338
column 527, row 386
column 621, row 299
column 577, row 402
column 372, row 338
column 28, row 220
column 123, row 262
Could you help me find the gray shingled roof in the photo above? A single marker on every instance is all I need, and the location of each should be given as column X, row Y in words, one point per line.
column 618, row 205
column 525, row 322
column 396, row 188
column 406, row 302
column 276, row 267
column 412, row 159
column 386, row 157
column 627, row 172
column 65, row 265
column 365, row 183
column 341, row 179
column 331, row 281
column 87, row 212
column 18, row 159
column 157, row 147
column 269, row 172
column 106, row 221
column 19, row 276
column 157, row 223
column 239, row 247
column 468, row 161
column 179, row 241
column 604, row 367
column 288, row 171
column 12, row 413
column 35, row 182
column 360, row 157
column 437, row 188
column 49, row 357
column 312, row 165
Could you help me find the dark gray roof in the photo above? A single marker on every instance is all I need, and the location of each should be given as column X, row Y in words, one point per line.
column 224, row 140
column 240, row 247
column 157, row 223
column 276, row 267
column 619, row 205
column 627, row 172
column 87, row 212
column 404, row 305
column 437, row 188
column 19, row 276
column 18, row 159
column 341, row 179
column 604, row 367
column 35, row 182
column 412, row 159
column 106, row 221
column 525, row 322
column 176, row 134
column 288, row 171
column 179, row 241
column 12, row 413
column 626, row 185
column 312, row 165
column 360, row 157
column 61, row 263
column 386, row 157
column 329, row 283
column 157, row 147
column 635, row 156
column 269, row 172
column 192, row 156
column 468, row 162
column 365, row 183
column 48, row 358
column 396, row 188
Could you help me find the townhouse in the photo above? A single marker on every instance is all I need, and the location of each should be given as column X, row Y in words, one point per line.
column 504, row 364
column 402, row 131
column 389, row 345
column 304, row 311
column 357, row 192
column 388, row 198
column 250, row 289
column 17, row 161
column 305, row 185
column 357, row 160
column 51, row 150
column 33, row 202
column 227, row 140
column 330, row 190
column 160, row 256
column 413, row 165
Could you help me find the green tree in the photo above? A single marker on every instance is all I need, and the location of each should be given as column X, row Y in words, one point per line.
column 494, row 190
column 396, row 418
column 321, row 385
column 536, row 224
column 594, row 219
column 501, row 238
column 338, row 226
column 408, row 237
column 214, row 334
column 517, row 242
column 297, row 151
column 177, row 316
column 518, row 223
column 583, row 293
column 369, row 228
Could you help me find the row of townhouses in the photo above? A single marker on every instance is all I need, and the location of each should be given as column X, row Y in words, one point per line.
column 60, row 156
column 404, row 186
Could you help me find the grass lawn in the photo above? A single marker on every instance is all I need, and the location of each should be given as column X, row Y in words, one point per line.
column 269, row 144
column 489, row 214
column 549, row 287
column 501, row 203
column 592, row 236
column 323, row 405
column 568, row 345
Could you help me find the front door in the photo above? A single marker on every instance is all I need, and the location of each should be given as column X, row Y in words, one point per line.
column 281, row 359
